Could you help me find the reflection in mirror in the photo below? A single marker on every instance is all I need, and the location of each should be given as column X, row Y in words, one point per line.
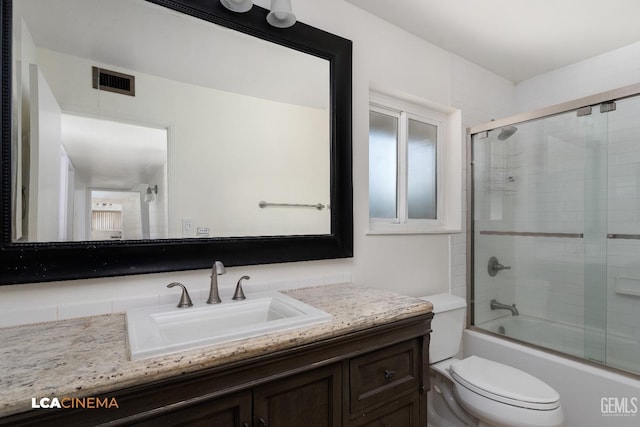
column 215, row 121
column 123, row 169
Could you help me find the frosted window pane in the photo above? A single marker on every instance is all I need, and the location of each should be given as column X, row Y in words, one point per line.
column 421, row 184
column 383, row 165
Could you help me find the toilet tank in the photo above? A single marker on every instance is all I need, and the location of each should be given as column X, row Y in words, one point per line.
column 447, row 326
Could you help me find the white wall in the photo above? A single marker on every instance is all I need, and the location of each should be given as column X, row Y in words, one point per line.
column 620, row 67
column 412, row 264
column 45, row 147
column 24, row 54
column 208, row 134
column 158, row 208
column 81, row 208
column 482, row 96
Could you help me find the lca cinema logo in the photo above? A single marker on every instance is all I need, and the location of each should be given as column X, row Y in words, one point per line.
column 74, row 403
column 619, row 406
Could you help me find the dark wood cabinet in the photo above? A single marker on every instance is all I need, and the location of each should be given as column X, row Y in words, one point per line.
column 383, row 374
column 402, row 412
column 373, row 377
column 312, row 399
column 232, row 411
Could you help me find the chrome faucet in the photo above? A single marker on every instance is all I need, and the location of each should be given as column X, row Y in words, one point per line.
column 497, row 305
column 216, row 270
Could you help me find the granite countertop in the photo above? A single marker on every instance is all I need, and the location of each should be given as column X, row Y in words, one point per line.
column 88, row 356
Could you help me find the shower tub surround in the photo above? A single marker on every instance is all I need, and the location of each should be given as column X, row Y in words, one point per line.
column 557, row 201
column 88, row 356
column 582, row 387
column 622, row 352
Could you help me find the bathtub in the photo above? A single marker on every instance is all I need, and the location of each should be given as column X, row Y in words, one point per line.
column 590, row 396
column 619, row 351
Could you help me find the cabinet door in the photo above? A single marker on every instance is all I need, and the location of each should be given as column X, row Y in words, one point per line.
column 230, row 411
column 310, row 399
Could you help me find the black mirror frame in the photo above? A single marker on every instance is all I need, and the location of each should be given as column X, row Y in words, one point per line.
column 53, row 261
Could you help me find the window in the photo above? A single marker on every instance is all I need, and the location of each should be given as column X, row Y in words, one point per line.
column 407, row 153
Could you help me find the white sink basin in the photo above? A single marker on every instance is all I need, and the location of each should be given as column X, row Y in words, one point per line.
column 163, row 329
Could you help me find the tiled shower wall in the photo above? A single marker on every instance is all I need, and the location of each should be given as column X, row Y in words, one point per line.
column 549, row 272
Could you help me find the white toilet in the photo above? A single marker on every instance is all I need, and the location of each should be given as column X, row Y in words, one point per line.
column 478, row 392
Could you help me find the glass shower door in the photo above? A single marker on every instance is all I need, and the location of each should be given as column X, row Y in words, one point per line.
column 623, row 230
column 540, row 209
column 594, row 128
column 556, row 212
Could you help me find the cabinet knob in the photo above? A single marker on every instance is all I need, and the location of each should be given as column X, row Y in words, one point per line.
column 262, row 422
column 245, row 424
column 388, row 374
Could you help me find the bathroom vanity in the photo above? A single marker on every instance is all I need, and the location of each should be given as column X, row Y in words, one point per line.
column 367, row 365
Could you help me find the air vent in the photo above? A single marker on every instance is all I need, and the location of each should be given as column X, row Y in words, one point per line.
column 113, row 81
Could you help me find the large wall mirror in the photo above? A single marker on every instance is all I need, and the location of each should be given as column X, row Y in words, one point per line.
column 146, row 136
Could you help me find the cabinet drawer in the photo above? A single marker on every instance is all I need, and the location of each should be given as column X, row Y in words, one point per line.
column 403, row 412
column 383, row 374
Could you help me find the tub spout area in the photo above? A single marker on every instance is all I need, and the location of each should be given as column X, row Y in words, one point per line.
column 495, row 305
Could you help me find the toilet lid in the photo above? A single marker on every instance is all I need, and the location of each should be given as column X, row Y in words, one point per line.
column 504, row 384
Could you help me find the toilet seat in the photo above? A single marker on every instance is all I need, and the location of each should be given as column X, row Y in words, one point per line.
column 504, row 384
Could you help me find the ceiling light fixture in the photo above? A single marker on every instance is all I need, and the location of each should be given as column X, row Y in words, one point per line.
column 281, row 15
column 237, row 5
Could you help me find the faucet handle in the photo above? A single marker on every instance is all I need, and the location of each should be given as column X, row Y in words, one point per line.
column 239, row 294
column 494, row 266
column 218, row 268
column 185, row 300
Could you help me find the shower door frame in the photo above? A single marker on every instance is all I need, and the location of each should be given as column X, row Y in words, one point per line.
column 561, row 108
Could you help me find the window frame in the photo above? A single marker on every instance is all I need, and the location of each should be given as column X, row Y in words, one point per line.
column 444, row 119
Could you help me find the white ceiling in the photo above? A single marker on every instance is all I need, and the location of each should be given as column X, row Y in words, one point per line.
column 140, row 36
column 516, row 39
column 110, row 154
